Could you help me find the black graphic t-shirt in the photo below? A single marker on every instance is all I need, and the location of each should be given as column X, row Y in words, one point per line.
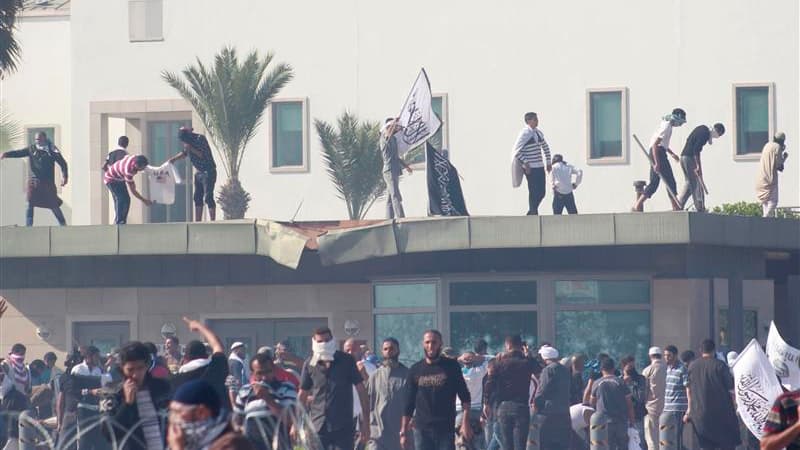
column 432, row 390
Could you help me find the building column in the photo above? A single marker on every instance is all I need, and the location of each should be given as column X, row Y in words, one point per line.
column 789, row 319
column 735, row 313
column 98, row 194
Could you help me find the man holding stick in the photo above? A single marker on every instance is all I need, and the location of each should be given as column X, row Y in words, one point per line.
column 693, row 167
column 660, row 167
column 392, row 168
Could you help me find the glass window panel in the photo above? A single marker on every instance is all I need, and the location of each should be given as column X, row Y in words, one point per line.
column 617, row 333
column 287, row 134
column 407, row 329
column 606, row 124
column 106, row 336
column 417, row 154
column 752, row 119
column 750, row 323
column 49, row 131
column 411, row 295
column 466, row 328
column 493, row 293
column 602, row 292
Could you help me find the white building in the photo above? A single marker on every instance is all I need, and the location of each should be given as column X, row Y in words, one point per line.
column 91, row 70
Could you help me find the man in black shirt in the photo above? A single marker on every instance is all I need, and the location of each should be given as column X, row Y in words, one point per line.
column 508, row 386
column 693, row 168
column 196, row 147
column 611, row 398
column 43, row 156
column 433, row 384
column 552, row 401
column 328, row 377
column 198, row 365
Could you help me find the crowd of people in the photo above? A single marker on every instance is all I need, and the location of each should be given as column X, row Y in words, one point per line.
column 196, row 397
column 531, row 159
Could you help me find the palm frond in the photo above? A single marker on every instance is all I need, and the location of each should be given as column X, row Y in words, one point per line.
column 10, row 130
column 10, row 50
column 353, row 160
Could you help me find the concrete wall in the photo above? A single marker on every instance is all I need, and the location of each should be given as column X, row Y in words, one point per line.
column 491, row 62
column 147, row 309
column 39, row 94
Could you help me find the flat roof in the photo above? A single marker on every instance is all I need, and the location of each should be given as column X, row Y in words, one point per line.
column 340, row 242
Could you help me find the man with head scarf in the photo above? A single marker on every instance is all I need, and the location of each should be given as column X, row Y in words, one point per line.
column 661, row 168
column 42, row 193
column 773, row 157
column 552, row 401
column 196, row 418
column 196, row 147
column 328, row 377
column 15, row 390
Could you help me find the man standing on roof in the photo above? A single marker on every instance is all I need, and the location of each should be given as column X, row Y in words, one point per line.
column 392, row 168
column 196, row 147
column 660, row 168
column 526, row 158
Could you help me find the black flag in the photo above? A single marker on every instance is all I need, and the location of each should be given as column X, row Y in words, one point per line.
column 444, row 188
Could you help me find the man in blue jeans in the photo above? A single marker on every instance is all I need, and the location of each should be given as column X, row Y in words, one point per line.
column 507, row 387
column 433, row 385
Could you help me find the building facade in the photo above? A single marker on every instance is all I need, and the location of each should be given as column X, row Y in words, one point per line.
column 614, row 283
column 596, row 74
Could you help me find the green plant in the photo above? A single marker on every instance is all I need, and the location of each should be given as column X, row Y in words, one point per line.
column 9, row 47
column 749, row 209
column 230, row 97
column 355, row 166
column 10, row 130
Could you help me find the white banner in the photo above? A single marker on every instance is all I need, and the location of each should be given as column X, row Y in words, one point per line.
column 785, row 359
column 756, row 387
column 418, row 120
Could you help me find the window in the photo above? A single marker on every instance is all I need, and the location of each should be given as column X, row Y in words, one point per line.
column 403, row 311
column 162, row 137
column 754, row 121
column 145, row 20
column 602, row 292
column 749, row 321
column 103, row 335
column 611, row 316
column 255, row 333
column 617, row 333
column 289, row 140
column 607, row 120
column 50, row 131
column 492, row 310
column 416, row 156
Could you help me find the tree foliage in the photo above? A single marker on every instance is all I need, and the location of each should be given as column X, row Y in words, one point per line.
column 10, row 51
column 749, row 209
column 230, row 97
column 352, row 155
column 10, row 131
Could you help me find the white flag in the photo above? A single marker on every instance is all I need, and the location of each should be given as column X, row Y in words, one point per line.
column 785, row 359
column 756, row 387
column 418, row 120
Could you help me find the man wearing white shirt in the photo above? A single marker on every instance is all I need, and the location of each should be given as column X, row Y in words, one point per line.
column 563, row 185
column 661, row 168
column 91, row 363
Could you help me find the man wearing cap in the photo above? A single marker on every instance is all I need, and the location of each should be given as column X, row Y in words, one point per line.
column 392, row 168
column 197, row 419
column 656, row 376
column 237, row 367
column 552, row 401
column 773, row 157
column 659, row 148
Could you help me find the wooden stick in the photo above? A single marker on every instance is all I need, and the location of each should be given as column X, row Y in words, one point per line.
column 672, row 195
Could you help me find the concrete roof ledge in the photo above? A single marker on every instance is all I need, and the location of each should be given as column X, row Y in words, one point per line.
column 652, row 228
column 87, row 240
column 284, row 245
column 24, row 242
column 357, row 244
column 153, row 239
column 222, row 238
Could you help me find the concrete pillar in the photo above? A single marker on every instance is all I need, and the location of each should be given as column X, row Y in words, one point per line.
column 787, row 317
column 735, row 313
column 98, row 194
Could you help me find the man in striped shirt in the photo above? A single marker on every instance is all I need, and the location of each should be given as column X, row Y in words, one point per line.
column 675, row 400
column 528, row 156
column 260, row 405
column 118, row 178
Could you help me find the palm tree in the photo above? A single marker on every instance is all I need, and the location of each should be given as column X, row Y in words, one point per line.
column 354, row 161
column 230, row 97
column 10, row 131
column 9, row 48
